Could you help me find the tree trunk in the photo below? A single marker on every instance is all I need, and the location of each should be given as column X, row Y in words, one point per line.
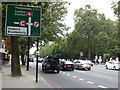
column 89, row 47
column 15, row 62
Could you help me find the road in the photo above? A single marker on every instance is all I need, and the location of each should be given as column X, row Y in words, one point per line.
column 97, row 77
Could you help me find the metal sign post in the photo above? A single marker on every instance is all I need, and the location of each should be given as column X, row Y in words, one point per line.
column 37, row 60
column 28, row 59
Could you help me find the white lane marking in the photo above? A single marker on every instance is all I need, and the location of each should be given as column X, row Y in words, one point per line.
column 68, row 74
column 74, row 76
column 81, row 79
column 101, row 86
column 90, row 82
column 80, row 71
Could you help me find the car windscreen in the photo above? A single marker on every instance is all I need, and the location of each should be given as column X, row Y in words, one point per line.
column 84, row 62
column 68, row 62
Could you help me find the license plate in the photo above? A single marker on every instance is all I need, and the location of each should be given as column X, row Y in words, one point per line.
column 69, row 65
column 48, row 65
column 86, row 67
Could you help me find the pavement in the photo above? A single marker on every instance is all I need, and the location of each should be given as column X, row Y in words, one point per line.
column 27, row 80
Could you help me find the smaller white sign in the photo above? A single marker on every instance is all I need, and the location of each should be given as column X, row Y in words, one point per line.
column 16, row 30
column 81, row 53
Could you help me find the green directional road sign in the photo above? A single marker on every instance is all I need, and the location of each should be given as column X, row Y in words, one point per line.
column 23, row 20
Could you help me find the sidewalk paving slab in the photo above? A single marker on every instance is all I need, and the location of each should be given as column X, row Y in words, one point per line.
column 27, row 80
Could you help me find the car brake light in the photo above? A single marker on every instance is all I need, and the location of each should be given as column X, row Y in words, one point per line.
column 65, row 65
column 72, row 65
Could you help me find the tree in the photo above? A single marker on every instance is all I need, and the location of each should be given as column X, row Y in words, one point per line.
column 53, row 13
column 116, row 8
column 87, row 24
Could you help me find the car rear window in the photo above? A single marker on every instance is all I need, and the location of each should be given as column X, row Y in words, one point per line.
column 68, row 62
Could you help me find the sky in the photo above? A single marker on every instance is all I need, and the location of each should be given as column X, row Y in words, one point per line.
column 103, row 6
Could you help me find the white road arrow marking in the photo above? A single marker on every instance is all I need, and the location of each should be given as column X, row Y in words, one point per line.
column 101, row 86
column 81, row 79
column 90, row 82
column 74, row 76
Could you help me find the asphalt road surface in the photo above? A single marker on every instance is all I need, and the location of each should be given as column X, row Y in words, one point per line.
column 97, row 77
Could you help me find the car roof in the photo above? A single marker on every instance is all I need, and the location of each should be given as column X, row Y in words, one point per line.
column 68, row 62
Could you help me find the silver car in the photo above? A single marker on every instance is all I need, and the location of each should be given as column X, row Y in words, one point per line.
column 82, row 64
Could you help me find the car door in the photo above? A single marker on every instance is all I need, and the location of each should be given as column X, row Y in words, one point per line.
column 110, row 65
column 75, row 64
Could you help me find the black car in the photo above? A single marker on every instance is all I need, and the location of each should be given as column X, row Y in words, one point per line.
column 67, row 65
column 50, row 63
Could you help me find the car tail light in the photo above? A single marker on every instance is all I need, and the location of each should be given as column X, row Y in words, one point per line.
column 81, row 64
column 65, row 65
column 72, row 65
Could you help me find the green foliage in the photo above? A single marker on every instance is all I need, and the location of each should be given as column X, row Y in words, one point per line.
column 93, row 34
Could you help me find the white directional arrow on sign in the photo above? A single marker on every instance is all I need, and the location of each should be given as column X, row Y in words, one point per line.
column 29, row 25
column 23, row 23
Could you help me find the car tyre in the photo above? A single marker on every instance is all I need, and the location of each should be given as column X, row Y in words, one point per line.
column 114, row 68
column 58, row 71
column 89, row 69
column 45, row 71
column 106, row 67
column 73, row 69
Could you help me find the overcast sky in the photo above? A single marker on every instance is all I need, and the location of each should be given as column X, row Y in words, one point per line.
column 103, row 6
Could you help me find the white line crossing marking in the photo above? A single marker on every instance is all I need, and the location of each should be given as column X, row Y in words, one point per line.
column 81, row 79
column 101, row 86
column 68, row 74
column 74, row 76
column 80, row 71
column 90, row 82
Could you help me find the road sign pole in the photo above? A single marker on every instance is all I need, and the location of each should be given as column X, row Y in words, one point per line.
column 28, row 54
column 37, row 62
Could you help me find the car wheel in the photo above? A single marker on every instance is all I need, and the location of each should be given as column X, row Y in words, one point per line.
column 89, row 68
column 72, row 69
column 114, row 68
column 106, row 67
column 45, row 71
column 58, row 71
